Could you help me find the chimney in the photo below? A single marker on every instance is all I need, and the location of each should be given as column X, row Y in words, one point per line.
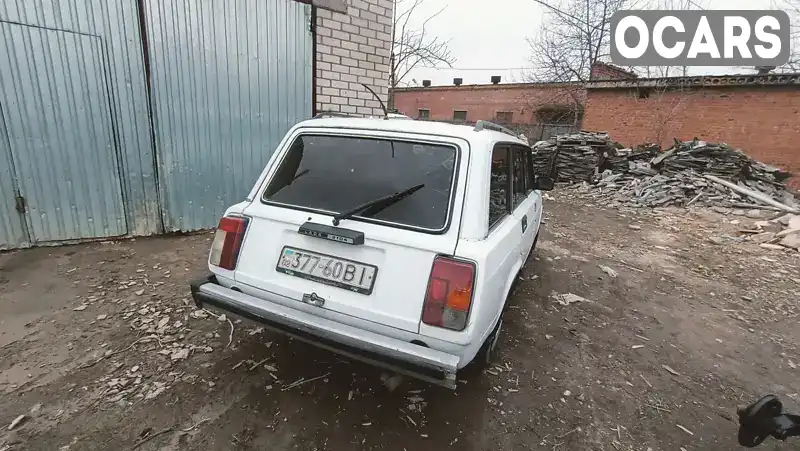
column 426, row 83
column 495, row 79
column 458, row 81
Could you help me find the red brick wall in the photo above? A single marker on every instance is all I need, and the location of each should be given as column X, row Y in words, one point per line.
column 762, row 121
column 482, row 102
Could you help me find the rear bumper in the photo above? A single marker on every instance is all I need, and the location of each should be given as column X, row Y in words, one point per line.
column 402, row 357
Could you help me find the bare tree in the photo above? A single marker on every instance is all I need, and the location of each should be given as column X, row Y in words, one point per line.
column 577, row 33
column 793, row 8
column 412, row 46
column 554, row 106
column 670, row 71
column 574, row 35
column 665, row 105
column 663, row 110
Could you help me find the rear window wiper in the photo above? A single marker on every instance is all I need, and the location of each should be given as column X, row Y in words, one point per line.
column 374, row 206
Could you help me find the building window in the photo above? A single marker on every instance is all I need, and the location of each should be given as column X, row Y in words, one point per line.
column 423, row 114
column 500, row 185
column 505, row 117
column 459, row 115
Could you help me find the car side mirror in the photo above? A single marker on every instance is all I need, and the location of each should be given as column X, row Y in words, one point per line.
column 544, row 184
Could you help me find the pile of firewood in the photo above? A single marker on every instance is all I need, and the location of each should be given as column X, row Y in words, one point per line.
column 572, row 157
column 690, row 172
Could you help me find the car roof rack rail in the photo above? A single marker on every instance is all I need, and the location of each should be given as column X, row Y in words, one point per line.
column 322, row 114
column 486, row 125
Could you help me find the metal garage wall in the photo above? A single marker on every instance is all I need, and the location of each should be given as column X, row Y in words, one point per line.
column 113, row 26
column 12, row 232
column 228, row 79
column 58, row 124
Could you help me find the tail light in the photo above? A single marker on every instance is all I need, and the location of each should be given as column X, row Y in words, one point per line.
column 449, row 294
column 228, row 241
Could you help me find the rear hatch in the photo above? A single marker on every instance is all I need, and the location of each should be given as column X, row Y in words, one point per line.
column 375, row 264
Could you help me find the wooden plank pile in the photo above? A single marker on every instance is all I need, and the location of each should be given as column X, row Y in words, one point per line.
column 778, row 234
column 709, row 158
column 544, row 152
column 689, row 187
column 571, row 158
column 690, row 172
column 659, row 190
column 624, row 160
column 576, row 162
column 766, row 173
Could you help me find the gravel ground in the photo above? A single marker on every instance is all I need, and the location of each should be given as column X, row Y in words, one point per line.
column 100, row 348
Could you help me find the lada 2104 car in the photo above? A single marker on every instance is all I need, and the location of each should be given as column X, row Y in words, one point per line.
column 395, row 242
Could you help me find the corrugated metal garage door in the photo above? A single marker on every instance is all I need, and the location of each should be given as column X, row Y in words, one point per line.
column 59, row 134
column 12, row 231
column 228, row 79
column 76, row 156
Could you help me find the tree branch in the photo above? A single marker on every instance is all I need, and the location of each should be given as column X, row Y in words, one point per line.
column 412, row 47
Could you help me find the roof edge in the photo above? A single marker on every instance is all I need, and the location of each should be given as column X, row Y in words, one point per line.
column 705, row 81
column 490, row 86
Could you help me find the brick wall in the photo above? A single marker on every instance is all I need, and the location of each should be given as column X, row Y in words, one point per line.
column 482, row 102
column 747, row 112
column 353, row 48
column 764, row 121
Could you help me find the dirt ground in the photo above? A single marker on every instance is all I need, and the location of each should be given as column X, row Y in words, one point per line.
column 101, row 348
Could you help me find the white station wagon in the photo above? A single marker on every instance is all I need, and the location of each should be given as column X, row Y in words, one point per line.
column 394, row 242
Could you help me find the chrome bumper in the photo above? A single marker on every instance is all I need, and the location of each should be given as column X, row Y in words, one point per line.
column 396, row 355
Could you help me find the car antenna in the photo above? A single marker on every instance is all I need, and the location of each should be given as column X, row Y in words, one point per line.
column 383, row 105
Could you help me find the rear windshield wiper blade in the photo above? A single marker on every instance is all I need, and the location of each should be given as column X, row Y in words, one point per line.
column 377, row 205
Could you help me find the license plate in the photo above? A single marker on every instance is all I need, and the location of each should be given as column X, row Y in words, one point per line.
column 338, row 272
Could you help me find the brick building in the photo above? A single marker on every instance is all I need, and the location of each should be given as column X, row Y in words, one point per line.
column 518, row 103
column 353, row 45
column 510, row 103
column 758, row 113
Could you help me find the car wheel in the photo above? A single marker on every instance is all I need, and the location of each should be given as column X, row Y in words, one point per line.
column 489, row 348
column 533, row 247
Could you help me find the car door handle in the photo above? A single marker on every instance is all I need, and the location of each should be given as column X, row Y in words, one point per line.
column 524, row 223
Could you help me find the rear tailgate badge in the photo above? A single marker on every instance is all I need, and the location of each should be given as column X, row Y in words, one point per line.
column 326, row 232
column 313, row 299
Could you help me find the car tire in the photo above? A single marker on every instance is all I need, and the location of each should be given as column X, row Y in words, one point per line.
column 487, row 352
column 533, row 248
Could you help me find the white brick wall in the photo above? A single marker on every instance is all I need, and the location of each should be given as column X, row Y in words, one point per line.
column 354, row 48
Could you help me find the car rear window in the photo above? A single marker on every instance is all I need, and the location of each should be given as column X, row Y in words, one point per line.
column 338, row 173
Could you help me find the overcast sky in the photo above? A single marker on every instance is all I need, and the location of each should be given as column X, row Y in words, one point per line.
column 490, row 35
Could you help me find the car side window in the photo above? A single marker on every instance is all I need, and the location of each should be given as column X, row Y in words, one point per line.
column 500, row 184
column 530, row 179
column 519, row 170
